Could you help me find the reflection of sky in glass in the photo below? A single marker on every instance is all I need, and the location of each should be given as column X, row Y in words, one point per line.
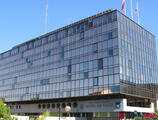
column 100, row 56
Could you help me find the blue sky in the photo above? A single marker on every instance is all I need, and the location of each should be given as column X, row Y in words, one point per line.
column 22, row 20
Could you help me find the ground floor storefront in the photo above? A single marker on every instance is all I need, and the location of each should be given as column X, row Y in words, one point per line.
column 98, row 108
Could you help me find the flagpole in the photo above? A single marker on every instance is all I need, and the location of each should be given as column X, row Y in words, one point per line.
column 125, row 10
column 131, row 4
column 137, row 12
column 46, row 17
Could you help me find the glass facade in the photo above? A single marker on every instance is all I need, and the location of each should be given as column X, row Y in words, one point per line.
column 138, row 59
column 107, row 52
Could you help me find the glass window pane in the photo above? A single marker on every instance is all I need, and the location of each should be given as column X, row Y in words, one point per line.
column 95, row 47
column 100, row 63
column 85, row 75
column 95, row 81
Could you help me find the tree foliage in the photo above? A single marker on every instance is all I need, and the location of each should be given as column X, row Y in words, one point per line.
column 44, row 115
column 4, row 112
column 156, row 116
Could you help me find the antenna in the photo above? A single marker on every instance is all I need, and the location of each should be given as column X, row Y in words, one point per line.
column 46, row 17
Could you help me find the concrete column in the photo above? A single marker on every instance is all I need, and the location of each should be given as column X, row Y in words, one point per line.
column 94, row 115
column 156, row 104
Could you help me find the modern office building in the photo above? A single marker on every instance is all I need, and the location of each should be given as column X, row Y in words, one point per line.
column 100, row 66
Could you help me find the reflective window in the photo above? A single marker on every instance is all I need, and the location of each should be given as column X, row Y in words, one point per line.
column 69, row 77
column 82, row 35
column 95, row 47
column 85, row 65
column 95, row 81
column 45, row 81
column 90, row 24
column 86, row 75
column 110, row 35
column 62, row 52
column 27, row 90
column 110, row 52
column 69, row 69
column 100, row 63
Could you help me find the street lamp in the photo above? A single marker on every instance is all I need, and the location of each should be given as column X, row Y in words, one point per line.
column 67, row 109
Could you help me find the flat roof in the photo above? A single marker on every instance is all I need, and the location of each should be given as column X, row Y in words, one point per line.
column 69, row 26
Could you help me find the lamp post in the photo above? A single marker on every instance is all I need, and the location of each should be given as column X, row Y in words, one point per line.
column 135, row 114
column 67, row 109
column 59, row 112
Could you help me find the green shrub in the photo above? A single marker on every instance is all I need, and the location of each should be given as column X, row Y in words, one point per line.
column 4, row 111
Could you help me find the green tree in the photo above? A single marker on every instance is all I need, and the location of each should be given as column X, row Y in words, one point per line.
column 4, row 111
column 156, row 116
column 44, row 115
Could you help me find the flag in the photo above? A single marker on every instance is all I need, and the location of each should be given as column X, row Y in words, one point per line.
column 123, row 4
